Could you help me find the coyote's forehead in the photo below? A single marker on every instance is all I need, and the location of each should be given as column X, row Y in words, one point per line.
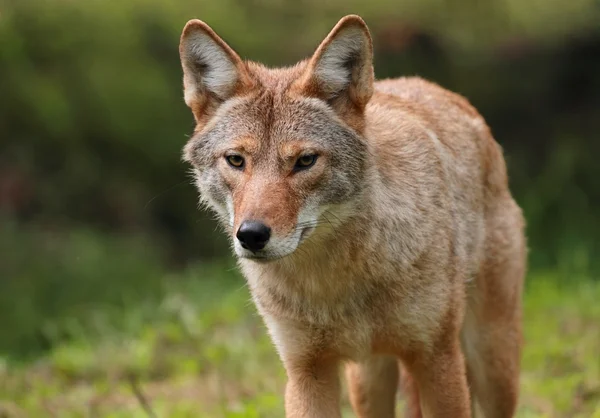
column 266, row 120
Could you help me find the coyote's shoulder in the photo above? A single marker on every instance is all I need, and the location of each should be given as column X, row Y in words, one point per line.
column 443, row 116
column 372, row 220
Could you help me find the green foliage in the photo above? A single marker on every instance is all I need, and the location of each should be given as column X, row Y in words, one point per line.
column 72, row 278
column 92, row 120
column 96, row 207
column 205, row 351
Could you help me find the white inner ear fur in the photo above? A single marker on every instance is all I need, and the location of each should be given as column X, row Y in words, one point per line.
column 208, row 68
column 333, row 69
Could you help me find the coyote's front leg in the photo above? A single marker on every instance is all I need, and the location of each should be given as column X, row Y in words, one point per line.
column 313, row 388
column 442, row 383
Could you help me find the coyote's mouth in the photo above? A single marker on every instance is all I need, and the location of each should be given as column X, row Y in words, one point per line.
column 259, row 258
column 264, row 258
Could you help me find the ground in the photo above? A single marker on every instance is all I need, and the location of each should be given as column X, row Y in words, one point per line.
column 202, row 351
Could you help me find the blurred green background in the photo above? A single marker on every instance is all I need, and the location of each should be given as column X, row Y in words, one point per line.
column 115, row 291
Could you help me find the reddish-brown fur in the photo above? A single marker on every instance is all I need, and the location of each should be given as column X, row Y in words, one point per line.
column 412, row 249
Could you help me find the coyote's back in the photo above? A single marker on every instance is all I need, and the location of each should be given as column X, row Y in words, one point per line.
column 372, row 221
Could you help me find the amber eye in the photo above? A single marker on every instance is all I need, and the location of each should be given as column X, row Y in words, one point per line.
column 236, row 161
column 305, row 162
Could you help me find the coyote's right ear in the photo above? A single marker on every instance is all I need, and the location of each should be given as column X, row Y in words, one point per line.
column 212, row 71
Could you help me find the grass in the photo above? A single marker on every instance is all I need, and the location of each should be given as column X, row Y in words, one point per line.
column 202, row 351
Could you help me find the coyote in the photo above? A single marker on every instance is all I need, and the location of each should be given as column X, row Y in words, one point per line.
column 372, row 221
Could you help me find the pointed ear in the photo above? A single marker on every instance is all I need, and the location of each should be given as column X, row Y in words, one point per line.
column 212, row 71
column 342, row 66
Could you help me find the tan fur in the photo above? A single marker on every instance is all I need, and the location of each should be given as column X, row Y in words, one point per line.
column 417, row 255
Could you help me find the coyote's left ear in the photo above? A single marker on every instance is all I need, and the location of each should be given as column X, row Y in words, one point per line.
column 212, row 71
column 342, row 66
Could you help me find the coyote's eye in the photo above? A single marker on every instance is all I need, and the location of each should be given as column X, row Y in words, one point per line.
column 305, row 162
column 236, row 161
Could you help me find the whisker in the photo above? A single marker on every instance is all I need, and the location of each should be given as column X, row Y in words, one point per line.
column 168, row 189
column 333, row 214
column 335, row 232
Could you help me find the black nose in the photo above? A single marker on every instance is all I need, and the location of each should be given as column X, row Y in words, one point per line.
column 253, row 235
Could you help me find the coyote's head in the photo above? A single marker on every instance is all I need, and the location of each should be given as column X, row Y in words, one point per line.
column 277, row 153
